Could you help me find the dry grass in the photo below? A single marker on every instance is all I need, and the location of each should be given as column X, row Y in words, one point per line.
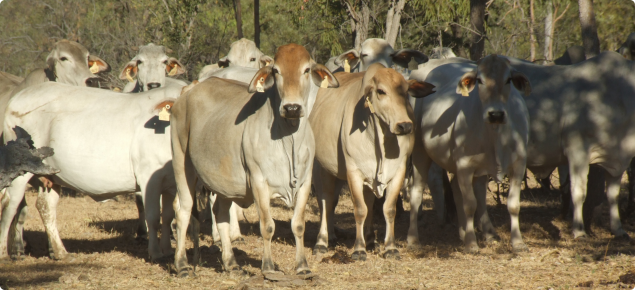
column 107, row 256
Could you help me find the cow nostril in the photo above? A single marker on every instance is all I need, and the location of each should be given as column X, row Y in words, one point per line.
column 93, row 82
column 292, row 110
column 405, row 127
column 496, row 116
column 153, row 86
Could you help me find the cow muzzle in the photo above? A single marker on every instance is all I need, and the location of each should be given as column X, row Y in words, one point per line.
column 496, row 117
column 152, row 86
column 403, row 128
column 94, row 82
column 292, row 111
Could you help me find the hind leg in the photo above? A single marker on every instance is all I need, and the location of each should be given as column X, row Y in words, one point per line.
column 10, row 202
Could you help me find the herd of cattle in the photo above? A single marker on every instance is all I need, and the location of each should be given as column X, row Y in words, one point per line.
column 253, row 128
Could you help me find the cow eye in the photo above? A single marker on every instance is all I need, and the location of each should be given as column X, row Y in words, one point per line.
column 139, row 62
column 252, row 59
column 275, row 71
column 381, row 92
column 306, row 71
column 165, row 62
column 63, row 58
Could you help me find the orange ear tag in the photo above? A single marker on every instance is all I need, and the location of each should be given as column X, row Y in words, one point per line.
column 94, row 68
column 347, row 67
column 164, row 115
column 130, row 79
column 325, row 82
column 259, row 87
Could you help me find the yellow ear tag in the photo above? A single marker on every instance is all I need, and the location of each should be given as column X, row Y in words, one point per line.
column 259, row 87
column 325, row 82
column 413, row 65
column 173, row 71
column 94, row 68
column 370, row 105
column 130, row 79
column 464, row 92
column 267, row 63
column 164, row 115
column 347, row 67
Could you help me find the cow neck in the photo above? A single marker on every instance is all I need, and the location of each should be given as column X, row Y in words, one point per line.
column 288, row 130
column 377, row 130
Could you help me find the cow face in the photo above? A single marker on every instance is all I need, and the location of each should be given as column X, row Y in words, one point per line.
column 150, row 67
column 69, row 62
column 376, row 50
column 245, row 53
column 386, row 95
column 292, row 72
column 494, row 77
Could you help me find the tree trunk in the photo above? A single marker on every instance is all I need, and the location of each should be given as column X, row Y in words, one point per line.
column 590, row 39
column 257, row 23
column 548, row 29
column 457, row 34
column 393, row 20
column 239, row 20
column 532, row 34
column 360, row 19
column 477, row 19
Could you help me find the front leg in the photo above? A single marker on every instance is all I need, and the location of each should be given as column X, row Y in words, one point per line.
column 262, row 198
column 513, row 207
column 482, row 218
column 612, row 193
column 468, row 206
column 390, row 205
column 356, row 185
column 298, row 225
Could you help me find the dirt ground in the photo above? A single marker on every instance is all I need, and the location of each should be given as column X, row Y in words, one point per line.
column 106, row 254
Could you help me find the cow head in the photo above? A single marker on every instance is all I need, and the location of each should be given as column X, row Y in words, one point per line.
column 69, row 62
column 386, row 95
column 150, row 67
column 245, row 53
column 292, row 72
column 494, row 77
column 376, row 50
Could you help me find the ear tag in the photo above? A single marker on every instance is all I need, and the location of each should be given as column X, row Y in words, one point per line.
column 325, row 82
column 130, row 79
column 259, row 87
column 164, row 115
column 347, row 67
column 94, row 68
column 413, row 65
column 267, row 63
column 464, row 92
column 369, row 105
column 173, row 71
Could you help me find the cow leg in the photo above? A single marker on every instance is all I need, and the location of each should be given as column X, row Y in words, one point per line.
column 579, row 171
column 369, row 237
column 234, row 226
column 46, row 204
column 465, row 180
column 221, row 210
column 390, row 206
column 167, row 216
column 151, row 192
column 612, row 193
column 262, row 198
column 324, row 192
column 16, row 232
column 356, row 185
column 298, row 225
column 421, row 166
column 435, row 184
column 482, row 218
column 458, row 200
column 215, row 233
column 142, row 229
column 513, row 207
column 185, row 177
column 10, row 203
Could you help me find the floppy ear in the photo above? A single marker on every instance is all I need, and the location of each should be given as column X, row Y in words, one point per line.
column 130, row 69
column 352, row 56
column 223, row 62
column 404, row 56
column 466, row 84
column 265, row 60
column 99, row 63
column 418, row 89
column 319, row 72
column 174, row 67
column 264, row 77
column 521, row 82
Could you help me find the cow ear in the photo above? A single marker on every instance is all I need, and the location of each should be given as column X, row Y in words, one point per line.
column 262, row 81
column 265, row 60
column 223, row 62
column 466, row 84
column 418, row 89
column 320, row 72
column 174, row 67
column 99, row 63
column 521, row 82
column 405, row 56
column 352, row 56
column 129, row 71
column 624, row 52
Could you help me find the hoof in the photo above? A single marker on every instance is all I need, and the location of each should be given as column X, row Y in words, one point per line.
column 471, row 249
column 392, row 254
column 622, row 238
column 359, row 256
column 186, row 272
column 492, row 239
column 520, row 248
column 581, row 238
column 320, row 249
column 233, row 268
column 304, row 272
column 238, row 241
column 18, row 257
